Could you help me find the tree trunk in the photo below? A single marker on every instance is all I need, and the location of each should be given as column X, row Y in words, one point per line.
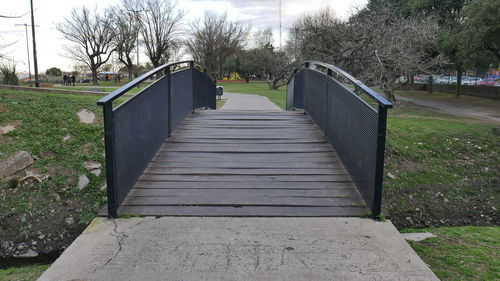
column 130, row 73
column 430, row 84
column 459, row 81
column 95, row 80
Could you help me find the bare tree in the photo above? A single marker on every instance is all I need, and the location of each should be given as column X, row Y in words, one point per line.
column 160, row 23
column 263, row 38
column 379, row 47
column 214, row 38
column 92, row 35
column 385, row 47
column 126, row 36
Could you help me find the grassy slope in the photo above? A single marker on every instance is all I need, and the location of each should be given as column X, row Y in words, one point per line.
column 42, row 121
column 23, row 273
column 462, row 253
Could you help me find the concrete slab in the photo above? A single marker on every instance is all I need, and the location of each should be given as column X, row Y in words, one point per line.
column 248, row 102
column 417, row 236
column 187, row 248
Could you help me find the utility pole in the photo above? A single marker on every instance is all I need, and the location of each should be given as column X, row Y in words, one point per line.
column 27, row 48
column 37, row 83
column 280, row 25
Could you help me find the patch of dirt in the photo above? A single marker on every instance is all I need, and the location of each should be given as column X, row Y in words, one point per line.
column 446, row 205
column 44, row 234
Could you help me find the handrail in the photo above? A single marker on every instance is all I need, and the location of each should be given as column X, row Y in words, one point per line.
column 383, row 102
column 132, row 84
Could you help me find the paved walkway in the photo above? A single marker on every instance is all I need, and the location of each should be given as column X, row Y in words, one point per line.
column 461, row 110
column 182, row 248
column 248, row 102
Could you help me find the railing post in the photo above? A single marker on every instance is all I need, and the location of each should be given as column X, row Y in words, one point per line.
column 191, row 65
column 379, row 168
column 109, row 142
column 329, row 74
column 169, row 98
column 306, row 65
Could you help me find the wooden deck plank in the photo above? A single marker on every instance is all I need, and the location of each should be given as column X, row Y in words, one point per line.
column 249, row 200
column 215, row 192
column 246, row 178
column 158, row 170
column 195, row 163
column 245, row 211
column 246, row 185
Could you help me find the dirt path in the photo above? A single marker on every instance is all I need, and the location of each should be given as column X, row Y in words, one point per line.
column 455, row 108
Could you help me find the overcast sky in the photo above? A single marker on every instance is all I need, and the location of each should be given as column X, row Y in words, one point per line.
column 260, row 13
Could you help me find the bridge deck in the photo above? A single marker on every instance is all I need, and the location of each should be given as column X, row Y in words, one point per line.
column 245, row 163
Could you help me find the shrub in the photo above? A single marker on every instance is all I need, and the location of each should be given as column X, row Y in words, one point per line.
column 8, row 74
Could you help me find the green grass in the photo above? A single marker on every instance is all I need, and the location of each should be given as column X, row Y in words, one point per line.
column 257, row 88
column 220, row 103
column 103, row 90
column 461, row 253
column 445, row 172
column 23, row 273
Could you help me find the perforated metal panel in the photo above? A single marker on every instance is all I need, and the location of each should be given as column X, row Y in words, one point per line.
column 352, row 129
column 298, row 90
column 140, row 127
column 204, row 90
column 315, row 98
column 289, row 93
column 351, row 125
column 181, row 95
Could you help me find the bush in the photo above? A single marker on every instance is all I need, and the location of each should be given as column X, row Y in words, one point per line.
column 8, row 74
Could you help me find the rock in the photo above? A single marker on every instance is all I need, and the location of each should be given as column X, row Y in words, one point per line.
column 96, row 172
column 83, row 181
column 69, row 220
column 41, row 236
column 391, row 176
column 6, row 245
column 418, row 236
column 15, row 163
column 29, row 254
column 91, row 165
column 66, row 138
column 104, row 186
column 86, row 116
column 5, row 129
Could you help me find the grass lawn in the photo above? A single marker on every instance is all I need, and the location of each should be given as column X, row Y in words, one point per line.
column 23, row 273
column 220, row 103
column 461, row 253
column 257, row 88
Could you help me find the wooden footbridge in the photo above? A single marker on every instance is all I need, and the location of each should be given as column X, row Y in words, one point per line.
column 166, row 155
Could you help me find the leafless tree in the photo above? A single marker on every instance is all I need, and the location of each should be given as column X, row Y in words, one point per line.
column 214, row 38
column 126, row 36
column 160, row 26
column 263, row 38
column 378, row 47
column 91, row 34
column 385, row 48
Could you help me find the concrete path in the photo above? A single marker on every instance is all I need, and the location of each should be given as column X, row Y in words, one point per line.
column 248, row 102
column 464, row 110
column 190, row 248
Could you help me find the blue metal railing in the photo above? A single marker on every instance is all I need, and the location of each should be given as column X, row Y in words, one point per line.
column 135, row 129
column 354, row 127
